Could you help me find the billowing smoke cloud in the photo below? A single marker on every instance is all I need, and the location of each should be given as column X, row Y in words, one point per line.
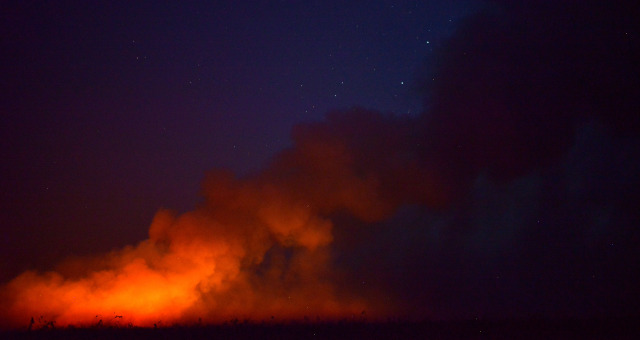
column 256, row 246
column 514, row 84
column 532, row 125
column 473, row 206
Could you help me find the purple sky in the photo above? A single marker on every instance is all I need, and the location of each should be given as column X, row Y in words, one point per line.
column 527, row 113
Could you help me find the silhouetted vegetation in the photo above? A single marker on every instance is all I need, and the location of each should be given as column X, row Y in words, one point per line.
column 235, row 329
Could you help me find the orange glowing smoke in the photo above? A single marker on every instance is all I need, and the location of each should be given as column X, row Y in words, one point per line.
column 256, row 247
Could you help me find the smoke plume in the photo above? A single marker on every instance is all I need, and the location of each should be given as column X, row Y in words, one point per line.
column 420, row 206
column 256, row 246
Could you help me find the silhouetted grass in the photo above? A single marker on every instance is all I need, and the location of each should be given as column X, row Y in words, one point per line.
column 476, row 329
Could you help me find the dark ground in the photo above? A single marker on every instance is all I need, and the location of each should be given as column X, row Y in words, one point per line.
column 473, row 329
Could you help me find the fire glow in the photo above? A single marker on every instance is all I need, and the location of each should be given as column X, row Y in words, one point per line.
column 179, row 274
column 257, row 247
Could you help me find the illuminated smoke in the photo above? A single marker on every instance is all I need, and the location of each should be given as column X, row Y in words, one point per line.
column 256, row 247
column 511, row 89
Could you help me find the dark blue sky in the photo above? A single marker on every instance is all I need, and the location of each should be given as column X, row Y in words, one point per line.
column 115, row 109
column 520, row 119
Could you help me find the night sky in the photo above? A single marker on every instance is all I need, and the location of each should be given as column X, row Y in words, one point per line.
column 475, row 158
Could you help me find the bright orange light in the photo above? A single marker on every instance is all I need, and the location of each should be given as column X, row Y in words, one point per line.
column 193, row 267
column 256, row 247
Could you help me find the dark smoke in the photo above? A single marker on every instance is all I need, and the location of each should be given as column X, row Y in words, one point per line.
column 513, row 194
column 531, row 135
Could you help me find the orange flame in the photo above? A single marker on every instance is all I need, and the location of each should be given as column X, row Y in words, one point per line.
column 192, row 267
column 256, row 247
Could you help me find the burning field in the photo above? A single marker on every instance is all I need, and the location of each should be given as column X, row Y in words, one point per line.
column 256, row 247
column 510, row 196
